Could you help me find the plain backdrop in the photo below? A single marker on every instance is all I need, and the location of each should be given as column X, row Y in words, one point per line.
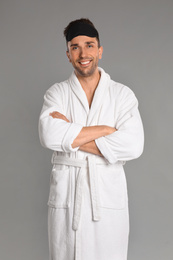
column 137, row 37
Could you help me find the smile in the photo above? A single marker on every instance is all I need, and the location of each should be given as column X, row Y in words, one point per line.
column 85, row 63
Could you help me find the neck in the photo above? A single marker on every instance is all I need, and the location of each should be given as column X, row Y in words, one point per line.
column 89, row 84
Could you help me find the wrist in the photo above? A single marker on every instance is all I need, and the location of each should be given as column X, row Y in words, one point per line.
column 108, row 130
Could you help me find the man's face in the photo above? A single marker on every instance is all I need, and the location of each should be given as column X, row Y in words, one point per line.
column 84, row 54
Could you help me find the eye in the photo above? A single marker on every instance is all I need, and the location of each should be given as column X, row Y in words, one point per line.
column 75, row 48
column 90, row 46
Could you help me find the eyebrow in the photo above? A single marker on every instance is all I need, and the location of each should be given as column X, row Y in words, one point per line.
column 76, row 44
column 90, row 42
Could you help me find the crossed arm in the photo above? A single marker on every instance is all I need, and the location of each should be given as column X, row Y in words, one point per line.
column 86, row 138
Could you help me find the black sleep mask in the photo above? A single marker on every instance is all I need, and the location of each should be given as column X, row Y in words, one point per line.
column 81, row 29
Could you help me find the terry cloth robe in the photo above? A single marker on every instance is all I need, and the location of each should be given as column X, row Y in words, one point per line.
column 88, row 203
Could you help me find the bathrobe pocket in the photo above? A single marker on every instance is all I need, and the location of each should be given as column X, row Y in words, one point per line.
column 112, row 187
column 59, row 195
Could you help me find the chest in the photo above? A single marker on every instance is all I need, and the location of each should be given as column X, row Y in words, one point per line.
column 92, row 110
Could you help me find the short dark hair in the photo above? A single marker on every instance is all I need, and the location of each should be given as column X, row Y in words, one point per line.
column 83, row 20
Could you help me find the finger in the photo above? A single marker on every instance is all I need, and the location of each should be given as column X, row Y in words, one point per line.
column 53, row 115
column 56, row 114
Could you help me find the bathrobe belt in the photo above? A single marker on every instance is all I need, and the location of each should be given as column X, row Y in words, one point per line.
column 91, row 163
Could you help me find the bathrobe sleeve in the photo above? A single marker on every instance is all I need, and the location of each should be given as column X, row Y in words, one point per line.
column 126, row 143
column 56, row 134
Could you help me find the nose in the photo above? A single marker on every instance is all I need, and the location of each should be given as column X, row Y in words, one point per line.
column 83, row 52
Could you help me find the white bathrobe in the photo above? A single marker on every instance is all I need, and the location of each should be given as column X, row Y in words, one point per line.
column 88, row 203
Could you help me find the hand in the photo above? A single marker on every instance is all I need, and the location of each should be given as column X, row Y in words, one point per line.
column 90, row 147
column 56, row 114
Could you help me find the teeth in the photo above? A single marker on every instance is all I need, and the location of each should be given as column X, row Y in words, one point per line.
column 85, row 62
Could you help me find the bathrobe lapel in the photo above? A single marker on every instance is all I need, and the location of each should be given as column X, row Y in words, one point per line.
column 79, row 92
column 92, row 114
column 98, row 99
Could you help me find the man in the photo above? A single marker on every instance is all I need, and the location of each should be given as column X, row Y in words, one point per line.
column 93, row 126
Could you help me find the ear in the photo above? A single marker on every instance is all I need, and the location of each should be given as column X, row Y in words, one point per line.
column 100, row 52
column 68, row 56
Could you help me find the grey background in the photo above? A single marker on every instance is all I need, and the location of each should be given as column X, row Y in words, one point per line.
column 137, row 38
